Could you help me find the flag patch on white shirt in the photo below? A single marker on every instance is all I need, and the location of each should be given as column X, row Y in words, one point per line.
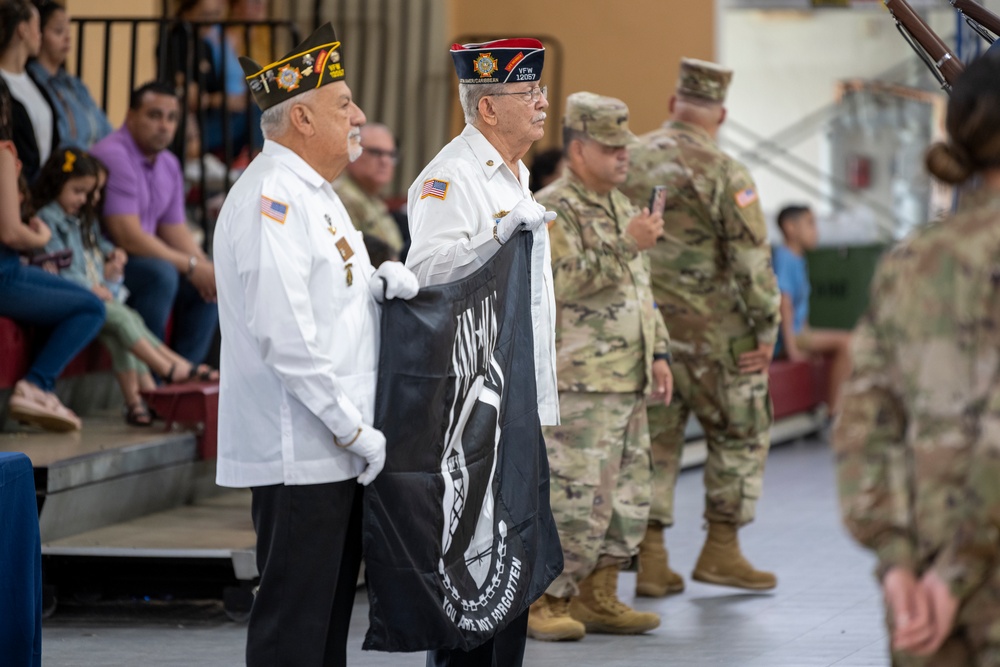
column 434, row 188
column 275, row 210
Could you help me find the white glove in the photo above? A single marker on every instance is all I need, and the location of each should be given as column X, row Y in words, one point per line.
column 392, row 280
column 369, row 445
column 526, row 214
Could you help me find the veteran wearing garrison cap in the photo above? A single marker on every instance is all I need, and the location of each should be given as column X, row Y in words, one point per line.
column 612, row 351
column 717, row 293
column 300, row 336
column 471, row 199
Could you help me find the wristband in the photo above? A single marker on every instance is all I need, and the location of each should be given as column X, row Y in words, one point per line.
column 345, row 445
column 665, row 356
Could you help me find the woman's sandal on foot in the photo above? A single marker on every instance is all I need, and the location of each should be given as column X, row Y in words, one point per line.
column 138, row 415
column 199, row 373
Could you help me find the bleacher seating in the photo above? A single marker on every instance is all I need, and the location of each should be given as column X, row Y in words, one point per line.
column 16, row 341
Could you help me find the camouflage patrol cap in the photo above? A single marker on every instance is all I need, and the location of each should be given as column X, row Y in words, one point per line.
column 603, row 119
column 704, row 80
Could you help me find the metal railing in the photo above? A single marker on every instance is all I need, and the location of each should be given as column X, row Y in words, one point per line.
column 175, row 52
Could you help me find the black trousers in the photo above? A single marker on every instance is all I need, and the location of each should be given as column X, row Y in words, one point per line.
column 308, row 556
column 506, row 649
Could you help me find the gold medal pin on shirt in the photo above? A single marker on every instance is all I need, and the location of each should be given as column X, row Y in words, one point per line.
column 344, row 248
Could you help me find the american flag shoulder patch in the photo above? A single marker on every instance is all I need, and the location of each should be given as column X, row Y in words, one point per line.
column 434, row 188
column 746, row 197
column 275, row 210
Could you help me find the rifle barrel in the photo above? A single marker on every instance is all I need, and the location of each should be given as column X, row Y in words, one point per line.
column 940, row 56
column 981, row 15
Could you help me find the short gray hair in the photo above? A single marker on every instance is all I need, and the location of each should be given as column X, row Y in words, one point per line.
column 471, row 93
column 274, row 120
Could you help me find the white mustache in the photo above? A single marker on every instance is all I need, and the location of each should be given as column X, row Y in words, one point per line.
column 354, row 135
column 540, row 117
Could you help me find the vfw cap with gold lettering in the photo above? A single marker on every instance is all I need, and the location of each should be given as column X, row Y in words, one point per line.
column 499, row 61
column 313, row 63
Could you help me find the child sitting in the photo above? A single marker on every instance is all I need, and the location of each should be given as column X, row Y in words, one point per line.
column 68, row 191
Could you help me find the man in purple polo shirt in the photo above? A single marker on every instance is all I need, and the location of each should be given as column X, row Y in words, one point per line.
column 144, row 214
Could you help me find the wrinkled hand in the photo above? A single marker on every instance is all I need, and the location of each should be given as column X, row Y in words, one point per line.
column 909, row 609
column 757, row 361
column 645, row 228
column 527, row 215
column 369, row 445
column 942, row 609
column 392, row 280
column 663, row 382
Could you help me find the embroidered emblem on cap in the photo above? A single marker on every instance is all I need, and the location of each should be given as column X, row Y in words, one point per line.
column 275, row 210
column 289, row 77
column 514, row 61
column 485, row 64
column 434, row 188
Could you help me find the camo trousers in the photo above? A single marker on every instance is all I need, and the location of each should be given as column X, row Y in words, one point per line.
column 600, row 482
column 735, row 412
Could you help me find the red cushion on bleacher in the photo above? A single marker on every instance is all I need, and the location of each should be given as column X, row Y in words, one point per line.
column 15, row 358
column 796, row 386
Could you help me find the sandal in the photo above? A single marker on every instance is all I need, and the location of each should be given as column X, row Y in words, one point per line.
column 29, row 404
column 138, row 415
column 199, row 373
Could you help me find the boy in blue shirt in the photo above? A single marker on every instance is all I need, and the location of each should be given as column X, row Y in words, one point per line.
column 796, row 340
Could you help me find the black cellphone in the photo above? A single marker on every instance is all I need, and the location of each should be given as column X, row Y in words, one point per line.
column 658, row 200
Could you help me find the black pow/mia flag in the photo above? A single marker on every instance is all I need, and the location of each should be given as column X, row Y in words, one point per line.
column 458, row 535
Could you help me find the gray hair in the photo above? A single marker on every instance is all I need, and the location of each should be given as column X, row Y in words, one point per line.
column 470, row 94
column 274, row 120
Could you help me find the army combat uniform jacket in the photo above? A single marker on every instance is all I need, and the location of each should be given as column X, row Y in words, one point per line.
column 918, row 442
column 370, row 215
column 711, row 271
column 607, row 326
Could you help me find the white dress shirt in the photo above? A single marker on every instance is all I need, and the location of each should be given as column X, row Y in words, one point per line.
column 299, row 343
column 452, row 237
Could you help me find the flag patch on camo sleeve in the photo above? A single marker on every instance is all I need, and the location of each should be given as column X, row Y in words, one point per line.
column 434, row 188
column 275, row 210
column 746, row 197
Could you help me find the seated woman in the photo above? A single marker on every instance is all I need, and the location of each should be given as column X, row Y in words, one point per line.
column 69, row 187
column 34, row 126
column 80, row 122
column 32, row 296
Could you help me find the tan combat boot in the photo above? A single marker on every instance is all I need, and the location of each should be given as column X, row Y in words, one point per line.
column 655, row 578
column 549, row 620
column 722, row 563
column 600, row 610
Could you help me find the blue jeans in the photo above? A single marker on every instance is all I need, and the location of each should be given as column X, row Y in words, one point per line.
column 157, row 290
column 73, row 315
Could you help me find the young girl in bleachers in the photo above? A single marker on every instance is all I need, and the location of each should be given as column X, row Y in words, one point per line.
column 68, row 191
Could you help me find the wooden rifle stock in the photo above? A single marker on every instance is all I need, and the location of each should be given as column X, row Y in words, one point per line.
column 931, row 49
column 978, row 17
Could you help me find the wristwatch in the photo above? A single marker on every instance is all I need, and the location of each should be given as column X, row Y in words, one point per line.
column 665, row 356
column 192, row 263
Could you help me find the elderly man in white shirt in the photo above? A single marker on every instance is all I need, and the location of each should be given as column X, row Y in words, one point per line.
column 471, row 199
column 300, row 337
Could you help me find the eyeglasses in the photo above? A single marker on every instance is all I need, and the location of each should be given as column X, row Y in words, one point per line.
column 379, row 153
column 529, row 96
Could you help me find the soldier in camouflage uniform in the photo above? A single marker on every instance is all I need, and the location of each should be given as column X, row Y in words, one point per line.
column 918, row 439
column 362, row 181
column 716, row 290
column 612, row 348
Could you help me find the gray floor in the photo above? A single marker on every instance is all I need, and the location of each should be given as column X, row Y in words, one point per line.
column 826, row 610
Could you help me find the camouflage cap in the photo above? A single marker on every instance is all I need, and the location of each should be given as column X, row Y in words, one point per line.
column 704, row 80
column 603, row 119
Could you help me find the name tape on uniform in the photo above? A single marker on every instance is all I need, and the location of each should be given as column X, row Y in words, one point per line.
column 434, row 188
column 275, row 210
